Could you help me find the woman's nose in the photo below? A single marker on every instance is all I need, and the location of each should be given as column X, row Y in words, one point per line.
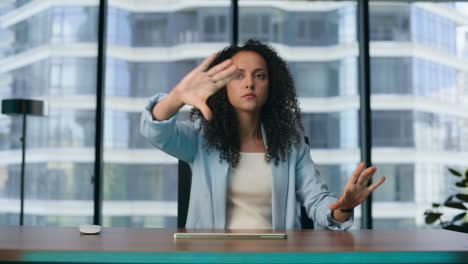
column 249, row 84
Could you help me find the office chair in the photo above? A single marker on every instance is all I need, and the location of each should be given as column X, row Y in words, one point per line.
column 183, row 197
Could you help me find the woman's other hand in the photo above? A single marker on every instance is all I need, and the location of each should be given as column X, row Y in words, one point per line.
column 356, row 189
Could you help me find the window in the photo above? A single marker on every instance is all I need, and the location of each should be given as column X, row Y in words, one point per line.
column 418, row 53
column 256, row 24
column 322, row 129
column 60, row 146
column 149, row 29
column 311, row 37
column 321, row 29
column 140, row 181
column 317, row 79
column 399, row 183
column 214, row 25
column 389, row 23
column 417, row 63
column 392, row 129
column 391, row 75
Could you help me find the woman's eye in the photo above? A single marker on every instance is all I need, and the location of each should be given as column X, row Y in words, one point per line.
column 238, row 76
column 261, row 76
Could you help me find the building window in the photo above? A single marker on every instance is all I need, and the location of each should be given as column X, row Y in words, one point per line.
column 399, row 183
column 389, row 23
column 214, row 26
column 392, row 129
column 322, row 129
column 391, row 75
column 255, row 23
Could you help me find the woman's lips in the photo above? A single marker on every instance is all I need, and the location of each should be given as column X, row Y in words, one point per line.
column 250, row 96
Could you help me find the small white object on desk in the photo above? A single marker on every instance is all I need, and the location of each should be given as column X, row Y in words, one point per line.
column 90, row 229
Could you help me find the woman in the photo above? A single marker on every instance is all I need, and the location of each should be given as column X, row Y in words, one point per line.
column 250, row 165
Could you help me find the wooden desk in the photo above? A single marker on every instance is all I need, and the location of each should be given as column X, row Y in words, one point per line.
column 124, row 245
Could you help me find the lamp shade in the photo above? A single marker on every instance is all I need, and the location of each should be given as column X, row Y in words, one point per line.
column 22, row 106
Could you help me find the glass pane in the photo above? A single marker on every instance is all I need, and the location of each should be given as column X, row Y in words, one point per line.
column 319, row 42
column 49, row 55
column 419, row 95
column 150, row 48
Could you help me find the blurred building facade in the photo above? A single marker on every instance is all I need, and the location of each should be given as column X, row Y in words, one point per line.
column 48, row 51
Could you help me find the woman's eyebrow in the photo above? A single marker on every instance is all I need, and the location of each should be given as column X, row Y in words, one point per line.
column 258, row 69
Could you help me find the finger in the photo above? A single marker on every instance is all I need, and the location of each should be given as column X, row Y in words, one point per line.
column 224, row 73
column 218, row 68
column 376, row 184
column 354, row 177
column 366, row 180
column 206, row 111
column 223, row 82
column 206, row 62
column 366, row 175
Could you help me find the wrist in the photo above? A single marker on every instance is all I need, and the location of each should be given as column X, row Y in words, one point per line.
column 339, row 216
column 175, row 97
column 346, row 210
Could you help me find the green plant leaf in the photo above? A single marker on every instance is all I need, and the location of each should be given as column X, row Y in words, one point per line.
column 458, row 217
column 465, row 174
column 431, row 217
column 462, row 184
column 435, row 205
column 454, row 172
column 456, row 228
column 455, row 205
column 463, row 197
column 449, row 199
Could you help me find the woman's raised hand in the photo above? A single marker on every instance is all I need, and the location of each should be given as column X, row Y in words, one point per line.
column 195, row 88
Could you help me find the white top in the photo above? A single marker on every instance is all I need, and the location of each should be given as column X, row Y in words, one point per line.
column 249, row 193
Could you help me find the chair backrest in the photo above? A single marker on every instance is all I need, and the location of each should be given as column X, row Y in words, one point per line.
column 183, row 193
column 306, row 222
column 183, row 197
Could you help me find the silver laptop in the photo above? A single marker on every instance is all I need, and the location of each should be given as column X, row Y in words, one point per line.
column 230, row 235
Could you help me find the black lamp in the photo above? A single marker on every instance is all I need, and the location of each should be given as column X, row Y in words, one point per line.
column 23, row 107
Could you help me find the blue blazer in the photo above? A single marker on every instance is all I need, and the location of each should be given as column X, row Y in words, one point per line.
column 295, row 181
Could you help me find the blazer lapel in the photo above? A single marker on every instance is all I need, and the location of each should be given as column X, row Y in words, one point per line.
column 279, row 191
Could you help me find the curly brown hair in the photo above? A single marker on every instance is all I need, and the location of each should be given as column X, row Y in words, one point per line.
column 280, row 116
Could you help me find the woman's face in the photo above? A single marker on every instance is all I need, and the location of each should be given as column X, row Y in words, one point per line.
column 248, row 91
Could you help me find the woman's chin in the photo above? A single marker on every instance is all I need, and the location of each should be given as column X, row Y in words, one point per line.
column 248, row 107
column 251, row 110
